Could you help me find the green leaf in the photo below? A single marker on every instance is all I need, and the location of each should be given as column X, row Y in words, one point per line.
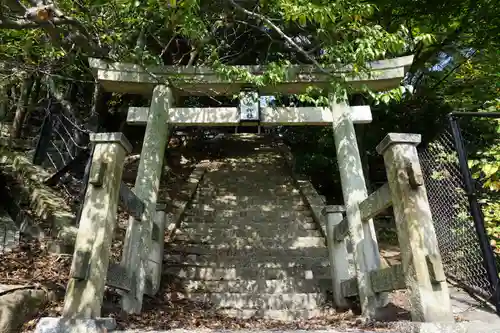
column 302, row 19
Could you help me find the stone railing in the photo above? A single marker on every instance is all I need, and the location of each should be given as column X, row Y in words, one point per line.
column 421, row 270
column 91, row 269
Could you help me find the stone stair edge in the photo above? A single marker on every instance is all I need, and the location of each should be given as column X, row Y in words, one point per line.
column 190, row 188
column 273, row 227
column 390, row 327
column 238, row 301
column 215, row 264
column 242, row 244
column 262, row 286
column 233, row 274
column 250, row 249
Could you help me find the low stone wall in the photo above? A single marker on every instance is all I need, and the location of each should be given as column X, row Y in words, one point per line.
column 28, row 188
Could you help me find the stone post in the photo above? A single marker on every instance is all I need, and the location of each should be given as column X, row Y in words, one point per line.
column 155, row 262
column 362, row 235
column 85, row 290
column 339, row 258
column 138, row 237
column 421, row 260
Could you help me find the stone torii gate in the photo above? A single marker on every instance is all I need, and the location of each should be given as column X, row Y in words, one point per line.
column 140, row 257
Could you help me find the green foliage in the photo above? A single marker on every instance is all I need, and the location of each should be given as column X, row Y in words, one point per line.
column 277, row 33
column 486, row 170
column 216, row 33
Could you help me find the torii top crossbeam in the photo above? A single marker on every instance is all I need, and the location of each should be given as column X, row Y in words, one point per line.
column 135, row 79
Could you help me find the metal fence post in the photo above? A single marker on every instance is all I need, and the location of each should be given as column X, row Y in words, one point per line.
column 475, row 210
column 43, row 141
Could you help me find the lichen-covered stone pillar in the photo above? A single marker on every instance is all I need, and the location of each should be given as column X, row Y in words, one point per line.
column 362, row 235
column 155, row 256
column 421, row 260
column 139, row 233
column 337, row 250
column 85, row 289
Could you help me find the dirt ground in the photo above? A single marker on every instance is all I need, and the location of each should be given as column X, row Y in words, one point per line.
column 32, row 265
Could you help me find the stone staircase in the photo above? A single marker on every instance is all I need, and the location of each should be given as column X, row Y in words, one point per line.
column 248, row 244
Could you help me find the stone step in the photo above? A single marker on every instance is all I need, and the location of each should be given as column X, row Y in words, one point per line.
column 232, row 181
column 258, row 194
column 278, row 315
column 247, row 181
column 243, row 190
column 245, row 273
column 196, row 261
column 253, row 241
column 257, row 204
column 221, row 233
column 256, row 252
column 282, row 286
column 250, row 248
column 278, row 179
column 249, row 223
column 269, row 180
column 283, row 259
column 265, row 183
column 290, row 301
column 258, row 228
column 223, row 217
column 206, row 210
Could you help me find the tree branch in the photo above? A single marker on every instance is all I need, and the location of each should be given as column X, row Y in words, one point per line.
column 424, row 56
column 66, row 106
column 49, row 18
column 22, row 24
column 281, row 33
column 453, row 70
column 15, row 6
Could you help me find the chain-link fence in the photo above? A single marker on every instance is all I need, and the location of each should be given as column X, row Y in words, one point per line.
column 62, row 148
column 465, row 248
column 60, row 141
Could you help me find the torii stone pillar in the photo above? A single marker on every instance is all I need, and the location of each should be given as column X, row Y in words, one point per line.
column 85, row 290
column 363, row 238
column 139, row 233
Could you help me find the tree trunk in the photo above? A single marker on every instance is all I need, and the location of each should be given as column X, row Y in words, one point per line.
column 99, row 106
column 4, row 102
column 33, row 100
column 78, row 138
column 22, row 108
column 11, row 107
